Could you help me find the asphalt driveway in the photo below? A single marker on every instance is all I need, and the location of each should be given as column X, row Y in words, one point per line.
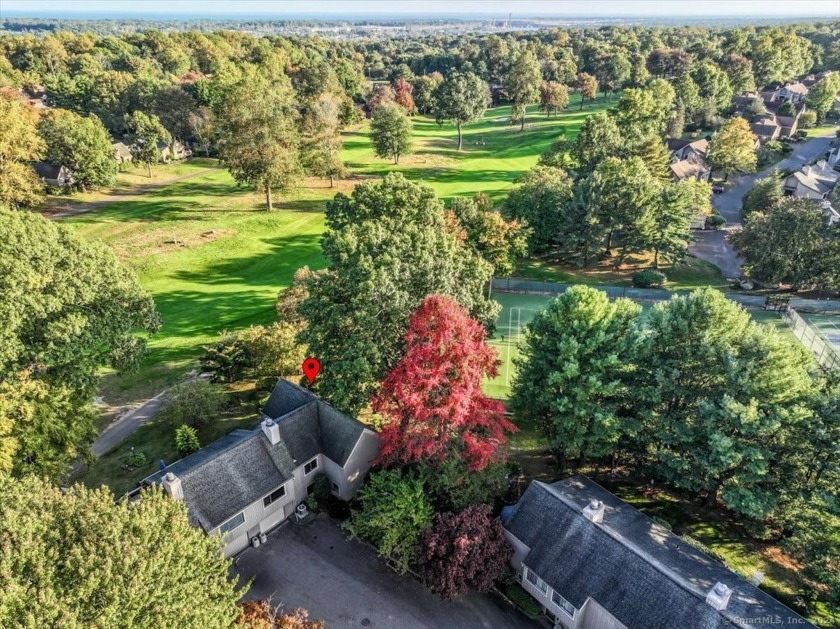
column 347, row 585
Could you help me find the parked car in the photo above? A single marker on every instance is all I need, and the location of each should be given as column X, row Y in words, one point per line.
column 718, row 188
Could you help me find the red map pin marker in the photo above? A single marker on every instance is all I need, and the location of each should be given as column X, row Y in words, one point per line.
column 311, row 367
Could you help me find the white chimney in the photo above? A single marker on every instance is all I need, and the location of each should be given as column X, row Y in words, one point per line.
column 718, row 596
column 271, row 430
column 172, row 485
column 594, row 511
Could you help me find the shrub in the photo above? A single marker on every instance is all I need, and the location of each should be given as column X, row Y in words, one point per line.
column 186, row 440
column 394, row 514
column 715, row 221
column 195, row 403
column 648, row 278
column 135, row 459
column 808, row 119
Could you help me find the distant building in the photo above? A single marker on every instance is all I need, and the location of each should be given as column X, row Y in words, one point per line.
column 688, row 159
column 594, row 562
column 121, row 153
column 815, row 181
column 173, row 152
column 249, row 481
column 54, row 174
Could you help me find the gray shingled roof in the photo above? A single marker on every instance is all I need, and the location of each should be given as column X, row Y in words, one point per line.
column 640, row 572
column 286, row 397
column 224, row 477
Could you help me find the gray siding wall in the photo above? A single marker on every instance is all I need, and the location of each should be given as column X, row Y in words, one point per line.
column 596, row 617
column 358, row 464
column 520, row 551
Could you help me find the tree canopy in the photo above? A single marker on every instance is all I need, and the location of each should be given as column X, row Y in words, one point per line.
column 80, row 559
column 67, row 308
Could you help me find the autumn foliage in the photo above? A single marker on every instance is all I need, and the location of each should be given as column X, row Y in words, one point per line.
column 262, row 615
column 403, row 95
column 432, row 401
column 463, row 552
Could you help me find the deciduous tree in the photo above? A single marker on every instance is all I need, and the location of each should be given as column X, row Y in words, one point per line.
column 393, row 514
column 461, row 98
column 500, row 242
column 570, row 373
column 790, row 243
column 522, row 83
column 67, row 308
column 599, row 138
column 258, row 137
column 463, row 552
column 732, row 150
column 19, row 146
column 538, row 202
column 402, row 96
column 390, row 132
column 145, row 133
column 80, row 143
column 764, row 195
column 554, row 97
column 89, row 560
column 432, row 401
column 388, row 248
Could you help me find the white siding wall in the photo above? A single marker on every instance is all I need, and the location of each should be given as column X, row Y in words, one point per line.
column 358, row 464
column 259, row 519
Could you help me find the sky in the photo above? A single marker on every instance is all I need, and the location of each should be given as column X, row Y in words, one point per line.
column 430, row 8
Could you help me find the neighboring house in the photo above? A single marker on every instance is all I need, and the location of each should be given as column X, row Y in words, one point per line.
column 173, row 152
column 686, row 149
column 54, row 174
column 793, row 92
column 690, row 169
column 833, row 158
column 688, row 159
column 249, row 481
column 121, row 153
column 766, row 128
column 815, row 181
column 594, row 562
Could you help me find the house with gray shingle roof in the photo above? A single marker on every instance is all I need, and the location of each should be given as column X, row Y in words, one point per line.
column 594, row 562
column 249, row 481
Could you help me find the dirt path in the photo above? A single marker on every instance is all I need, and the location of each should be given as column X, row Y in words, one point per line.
column 131, row 193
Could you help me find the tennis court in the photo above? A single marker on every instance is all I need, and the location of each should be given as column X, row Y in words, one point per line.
column 820, row 333
column 519, row 308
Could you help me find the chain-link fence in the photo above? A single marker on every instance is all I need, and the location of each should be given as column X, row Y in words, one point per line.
column 826, row 353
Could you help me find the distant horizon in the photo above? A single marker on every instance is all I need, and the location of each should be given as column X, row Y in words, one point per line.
column 417, row 9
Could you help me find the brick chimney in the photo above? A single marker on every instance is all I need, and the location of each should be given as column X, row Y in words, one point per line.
column 718, row 596
column 172, row 485
column 271, row 430
column 594, row 511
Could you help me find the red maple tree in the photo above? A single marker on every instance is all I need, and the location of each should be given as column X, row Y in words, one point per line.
column 432, row 401
column 403, row 90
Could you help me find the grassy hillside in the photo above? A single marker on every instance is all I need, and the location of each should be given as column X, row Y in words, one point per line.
column 214, row 259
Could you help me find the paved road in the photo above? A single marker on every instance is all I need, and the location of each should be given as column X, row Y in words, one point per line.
column 346, row 584
column 713, row 246
column 126, row 424
column 131, row 193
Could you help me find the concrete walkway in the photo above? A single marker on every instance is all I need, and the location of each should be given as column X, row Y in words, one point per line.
column 131, row 193
column 714, row 246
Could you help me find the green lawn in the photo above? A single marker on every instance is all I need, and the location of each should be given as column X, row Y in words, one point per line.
column 214, row 259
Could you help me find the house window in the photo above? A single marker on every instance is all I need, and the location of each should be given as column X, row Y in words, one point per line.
column 231, row 524
column 335, row 489
column 541, row 585
column 310, row 489
column 563, row 604
column 274, row 496
column 312, row 465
